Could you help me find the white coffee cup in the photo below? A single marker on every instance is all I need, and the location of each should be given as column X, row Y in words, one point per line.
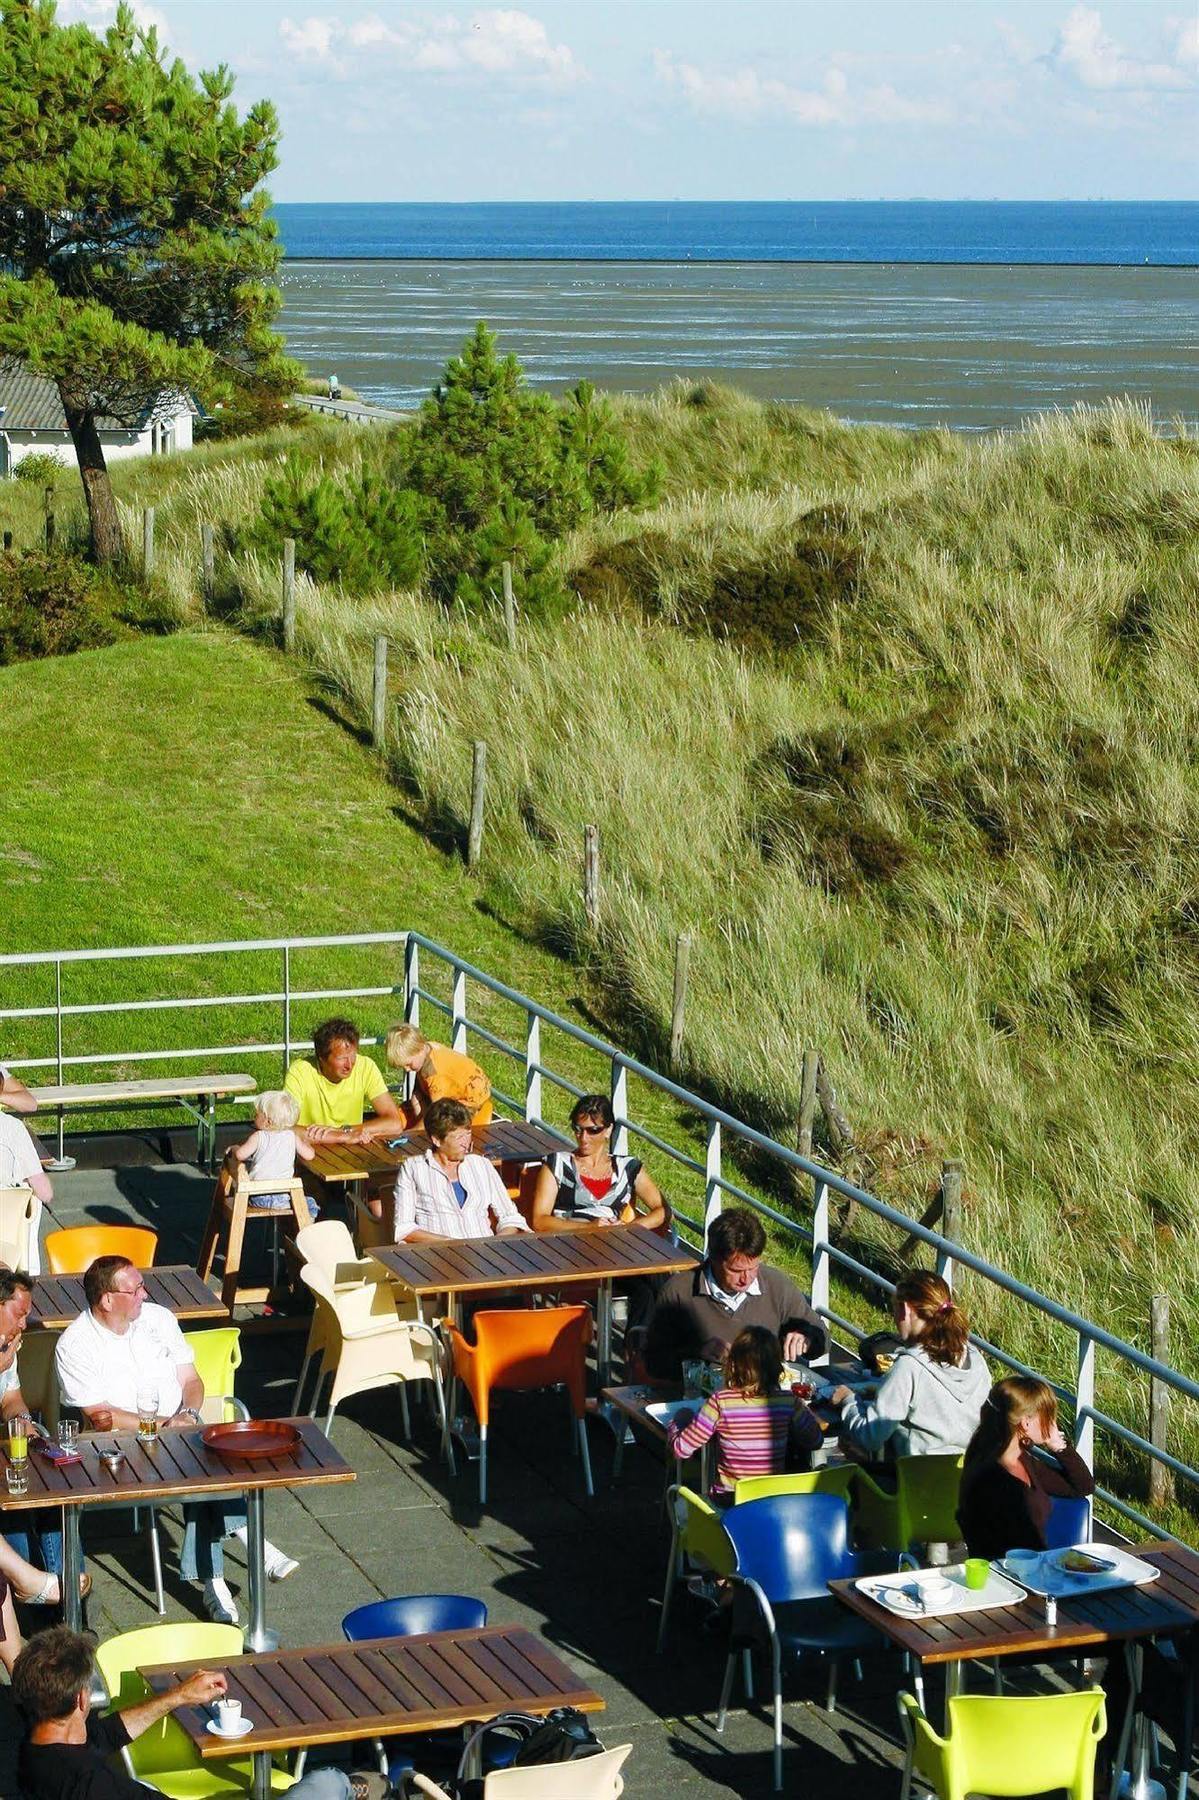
column 228, row 1713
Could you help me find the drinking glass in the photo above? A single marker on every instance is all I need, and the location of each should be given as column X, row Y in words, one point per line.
column 68, row 1434
column 16, row 1478
column 693, row 1379
column 18, row 1439
column 147, row 1415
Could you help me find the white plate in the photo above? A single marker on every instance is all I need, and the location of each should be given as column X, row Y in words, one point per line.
column 244, row 1727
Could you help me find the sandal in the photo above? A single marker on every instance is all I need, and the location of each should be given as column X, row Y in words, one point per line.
column 50, row 1592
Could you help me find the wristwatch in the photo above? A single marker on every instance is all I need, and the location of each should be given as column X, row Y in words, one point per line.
column 189, row 1412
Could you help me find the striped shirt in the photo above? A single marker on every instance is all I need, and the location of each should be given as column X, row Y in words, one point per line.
column 751, row 1433
column 425, row 1200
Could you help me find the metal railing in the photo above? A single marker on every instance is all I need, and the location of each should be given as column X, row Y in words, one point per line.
column 532, row 1071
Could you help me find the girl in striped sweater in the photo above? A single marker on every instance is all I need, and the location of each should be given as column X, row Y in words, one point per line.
column 759, row 1429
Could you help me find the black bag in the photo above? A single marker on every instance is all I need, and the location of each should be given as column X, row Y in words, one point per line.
column 879, row 1343
column 561, row 1736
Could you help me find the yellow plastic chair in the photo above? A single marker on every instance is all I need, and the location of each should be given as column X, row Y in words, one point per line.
column 697, row 1534
column 837, row 1479
column 364, row 1344
column 217, row 1355
column 923, row 1508
column 20, row 1221
column 74, row 1250
column 591, row 1778
column 1006, row 1744
column 164, row 1756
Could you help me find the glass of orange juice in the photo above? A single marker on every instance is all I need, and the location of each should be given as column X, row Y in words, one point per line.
column 18, row 1438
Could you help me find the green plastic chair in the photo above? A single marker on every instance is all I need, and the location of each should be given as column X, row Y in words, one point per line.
column 837, row 1479
column 164, row 1756
column 1006, row 1744
column 922, row 1509
column 698, row 1535
column 217, row 1355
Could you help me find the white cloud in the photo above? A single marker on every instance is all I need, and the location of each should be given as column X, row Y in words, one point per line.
column 1086, row 54
column 492, row 41
column 99, row 14
column 746, row 94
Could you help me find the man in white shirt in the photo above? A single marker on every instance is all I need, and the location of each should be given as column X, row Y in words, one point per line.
column 448, row 1192
column 122, row 1347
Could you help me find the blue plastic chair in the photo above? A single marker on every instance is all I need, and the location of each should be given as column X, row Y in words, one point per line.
column 788, row 1548
column 1069, row 1523
column 411, row 1615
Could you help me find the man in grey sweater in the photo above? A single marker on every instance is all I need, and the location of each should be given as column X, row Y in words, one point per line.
column 700, row 1311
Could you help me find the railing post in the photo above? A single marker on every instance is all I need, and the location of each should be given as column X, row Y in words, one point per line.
column 62, row 1161
column 1084, row 1400
column 286, row 1007
column 620, row 1106
column 533, row 1067
column 713, row 1170
column 412, row 980
column 951, row 1201
column 820, row 1256
column 458, row 1011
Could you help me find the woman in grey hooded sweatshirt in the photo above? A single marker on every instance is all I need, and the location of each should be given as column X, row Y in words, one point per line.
column 930, row 1401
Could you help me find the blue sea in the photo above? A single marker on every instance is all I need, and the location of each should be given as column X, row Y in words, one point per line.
column 975, row 316
column 910, row 231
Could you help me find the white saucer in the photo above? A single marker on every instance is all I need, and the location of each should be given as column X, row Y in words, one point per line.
column 244, row 1725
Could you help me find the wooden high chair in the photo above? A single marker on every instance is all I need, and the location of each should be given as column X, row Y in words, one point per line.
column 232, row 1207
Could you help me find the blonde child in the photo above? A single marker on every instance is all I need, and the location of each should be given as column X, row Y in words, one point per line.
column 270, row 1151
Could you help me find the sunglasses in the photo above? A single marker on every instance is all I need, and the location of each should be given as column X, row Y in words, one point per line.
column 591, row 1130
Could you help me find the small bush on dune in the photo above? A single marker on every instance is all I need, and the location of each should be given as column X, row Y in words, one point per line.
column 40, row 468
column 50, row 605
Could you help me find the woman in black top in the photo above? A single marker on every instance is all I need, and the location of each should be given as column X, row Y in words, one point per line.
column 593, row 1187
column 1007, row 1492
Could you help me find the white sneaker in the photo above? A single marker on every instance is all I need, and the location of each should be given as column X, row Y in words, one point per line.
column 278, row 1566
column 219, row 1603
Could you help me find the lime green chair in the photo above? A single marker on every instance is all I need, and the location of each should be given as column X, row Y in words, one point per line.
column 697, row 1535
column 922, row 1509
column 837, row 1479
column 1006, row 1745
column 217, row 1356
column 164, row 1756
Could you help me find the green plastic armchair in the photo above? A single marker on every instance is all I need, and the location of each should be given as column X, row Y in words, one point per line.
column 922, row 1509
column 838, row 1478
column 697, row 1535
column 1006, row 1744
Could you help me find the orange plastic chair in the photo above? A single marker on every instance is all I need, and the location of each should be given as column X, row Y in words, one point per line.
column 72, row 1252
column 517, row 1350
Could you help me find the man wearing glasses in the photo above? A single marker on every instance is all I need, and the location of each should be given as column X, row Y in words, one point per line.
column 123, row 1346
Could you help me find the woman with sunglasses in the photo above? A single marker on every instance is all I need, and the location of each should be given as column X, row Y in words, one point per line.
column 591, row 1187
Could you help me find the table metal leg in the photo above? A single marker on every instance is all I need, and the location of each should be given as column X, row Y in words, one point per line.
column 953, row 1687
column 1135, row 1782
column 257, row 1637
column 72, row 1569
column 603, row 1335
column 261, row 1789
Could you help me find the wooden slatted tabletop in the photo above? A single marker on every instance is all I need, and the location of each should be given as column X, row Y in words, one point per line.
column 1167, row 1605
column 525, row 1259
column 177, row 1464
column 58, row 1300
column 503, row 1140
column 329, row 1693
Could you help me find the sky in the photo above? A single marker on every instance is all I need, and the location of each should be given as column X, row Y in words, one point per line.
column 709, row 99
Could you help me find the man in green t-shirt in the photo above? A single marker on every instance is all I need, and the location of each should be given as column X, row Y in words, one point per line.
column 335, row 1091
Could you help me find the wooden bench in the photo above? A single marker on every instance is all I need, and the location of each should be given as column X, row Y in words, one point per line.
column 196, row 1094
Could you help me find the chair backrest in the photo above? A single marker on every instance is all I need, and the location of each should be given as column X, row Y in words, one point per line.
column 525, row 1190
column 216, row 1354
column 792, row 1545
column 72, row 1252
column 928, row 1498
column 165, row 1746
column 837, row 1479
column 409, row 1615
column 38, row 1375
column 533, row 1348
column 1069, row 1522
column 1023, row 1744
column 359, row 1306
column 590, row 1778
column 701, row 1531
column 20, row 1216
column 329, row 1247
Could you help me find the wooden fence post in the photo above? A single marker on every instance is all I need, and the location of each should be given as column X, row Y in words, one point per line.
column 951, row 1201
column 591, row 875
column 147, row 543
column 379, row 694
column 478, row 782
column 49, row 526
column 509, row 608
column 807, row 1105
column 207, row 563
column 682, row 956
column 1161, row 1479
column 8, row 540
column 289, row 594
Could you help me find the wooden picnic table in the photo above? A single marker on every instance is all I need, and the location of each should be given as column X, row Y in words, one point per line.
column 502, row 1140
column 58, row 1300
column 526, row 1259
column 178, row 1465
column 329, row 1693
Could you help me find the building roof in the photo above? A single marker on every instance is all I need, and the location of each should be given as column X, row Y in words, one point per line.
column 31, row 403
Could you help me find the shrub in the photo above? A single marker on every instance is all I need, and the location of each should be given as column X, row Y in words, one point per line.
column 40, row 467
column 359, row 532
column 51, row 604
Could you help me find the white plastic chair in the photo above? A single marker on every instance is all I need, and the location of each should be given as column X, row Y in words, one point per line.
column 20, row 1220
column 588, row 1778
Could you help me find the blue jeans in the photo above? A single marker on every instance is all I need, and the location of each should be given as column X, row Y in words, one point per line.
column 322, row 1784
column 39, row 1539
column 205, row 1523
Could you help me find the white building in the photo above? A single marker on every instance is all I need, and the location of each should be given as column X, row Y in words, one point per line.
column 31, row 418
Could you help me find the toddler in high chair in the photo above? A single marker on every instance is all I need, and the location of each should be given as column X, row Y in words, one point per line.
column 270, row 1151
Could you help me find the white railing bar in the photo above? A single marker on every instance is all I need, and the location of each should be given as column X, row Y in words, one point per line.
column 139, row 952
column 139, row 1006
column 1128, row 1436
column 1130, row 1512
column 679, row 1156
column 124, row 1056
column 498, row 1043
